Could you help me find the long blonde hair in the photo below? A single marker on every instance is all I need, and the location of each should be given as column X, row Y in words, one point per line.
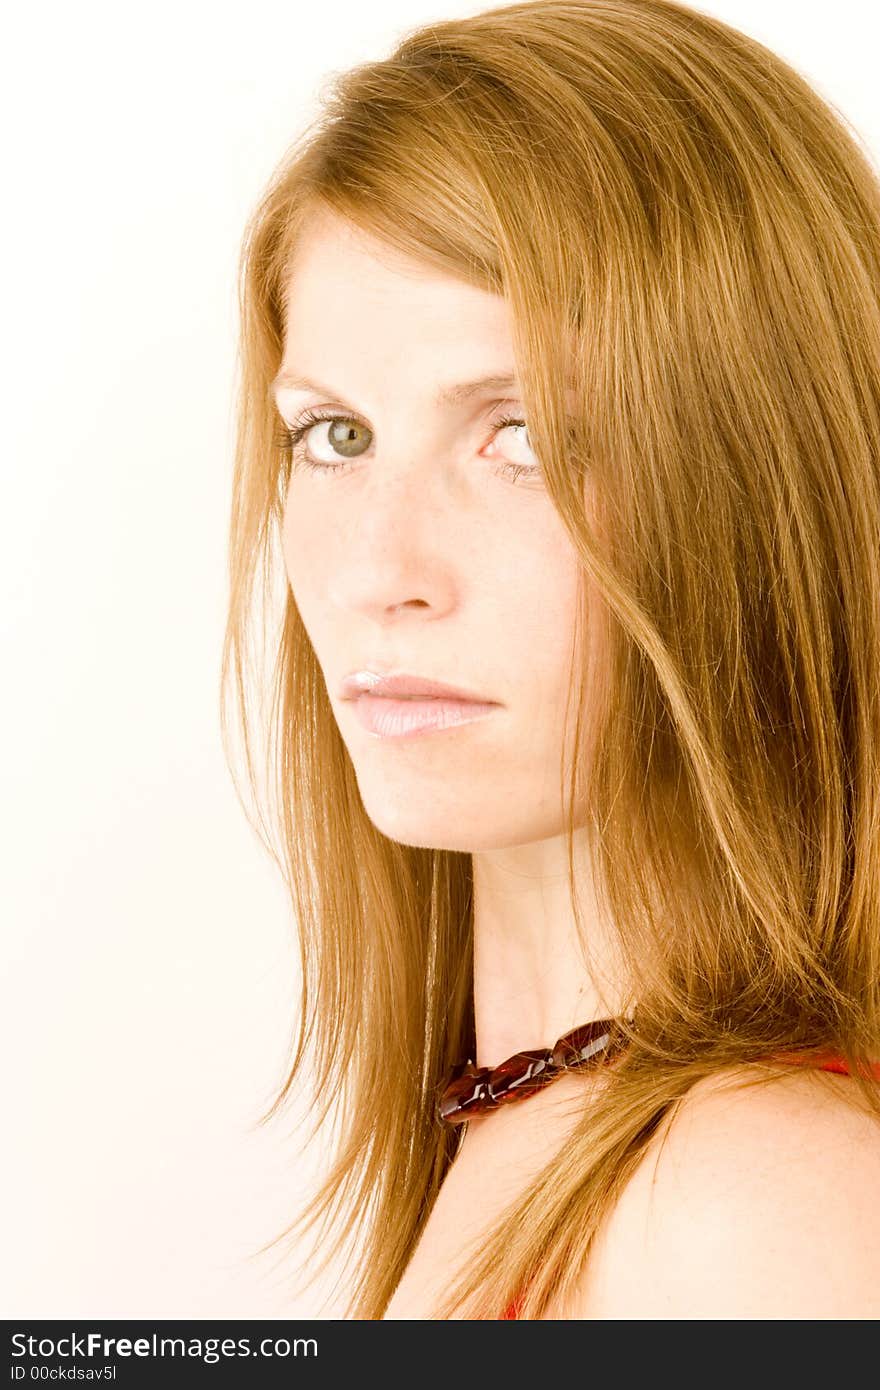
column 689, row 238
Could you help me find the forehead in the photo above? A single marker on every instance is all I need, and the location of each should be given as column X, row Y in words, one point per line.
column 353, row 302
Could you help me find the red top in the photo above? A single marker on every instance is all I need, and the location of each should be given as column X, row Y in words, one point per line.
column 831, row 1062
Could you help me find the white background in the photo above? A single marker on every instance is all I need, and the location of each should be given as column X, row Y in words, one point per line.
column 148, row 960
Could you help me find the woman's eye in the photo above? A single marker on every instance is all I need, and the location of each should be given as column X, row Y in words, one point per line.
column 335, row 439
column 322, row 442
column 515, row 446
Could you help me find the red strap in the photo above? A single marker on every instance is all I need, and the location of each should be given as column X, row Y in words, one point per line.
column 823, row 1061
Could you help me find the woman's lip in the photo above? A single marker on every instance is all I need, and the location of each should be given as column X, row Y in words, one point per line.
column 400, row 684
column 406, row 718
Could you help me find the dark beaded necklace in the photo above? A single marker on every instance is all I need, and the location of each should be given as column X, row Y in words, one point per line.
column 470, row 1089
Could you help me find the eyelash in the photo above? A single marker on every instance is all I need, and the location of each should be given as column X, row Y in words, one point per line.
column 289, row 438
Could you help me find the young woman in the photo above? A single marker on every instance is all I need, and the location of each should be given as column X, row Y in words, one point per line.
column 560, row 420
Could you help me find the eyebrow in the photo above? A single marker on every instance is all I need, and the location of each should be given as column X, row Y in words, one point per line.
column 447, row 395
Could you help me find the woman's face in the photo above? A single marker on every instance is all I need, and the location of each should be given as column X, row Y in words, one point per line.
column 418, row 553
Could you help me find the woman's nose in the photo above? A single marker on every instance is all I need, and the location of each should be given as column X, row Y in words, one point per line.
column 401, row 550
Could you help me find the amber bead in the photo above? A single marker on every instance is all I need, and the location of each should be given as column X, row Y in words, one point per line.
column 470, row 1090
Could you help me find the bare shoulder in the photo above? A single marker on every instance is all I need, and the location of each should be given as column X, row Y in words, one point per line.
column 753, row 1201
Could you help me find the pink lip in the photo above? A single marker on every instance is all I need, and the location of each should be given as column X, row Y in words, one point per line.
column 407, row 718
column 398, row 705
column 402, row 685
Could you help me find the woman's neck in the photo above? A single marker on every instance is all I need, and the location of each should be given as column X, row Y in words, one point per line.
column 531, row 981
